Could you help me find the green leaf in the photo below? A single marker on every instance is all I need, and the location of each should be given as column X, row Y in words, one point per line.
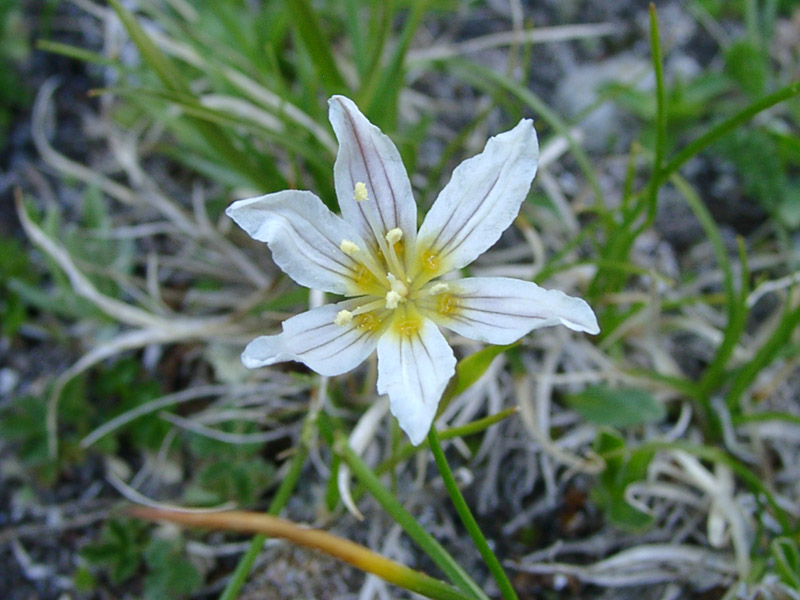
column 306, row 22
column 745, row 63
column 786, row 555
column 171, row 576
column 241, row 481
column 622, row 469
column 119, row 549
column 621, row 407
column 469, row 370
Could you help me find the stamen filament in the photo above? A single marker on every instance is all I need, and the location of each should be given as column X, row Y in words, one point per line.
column 354, row 250
column 369, row 210
column 368, row 307
column 392, row 260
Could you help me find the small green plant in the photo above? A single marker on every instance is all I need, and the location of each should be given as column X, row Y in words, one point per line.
column 119, row 550
column 623, row 466
column 15, row 270
column 171, row 576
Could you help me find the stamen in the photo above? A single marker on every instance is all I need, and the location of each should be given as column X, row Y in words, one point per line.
column 360, row 194
column 368, row 307
column 438, row 288
column 371, row 212
column 394, row 235
column 349, row 248
column 393, row 299
column 343, row 317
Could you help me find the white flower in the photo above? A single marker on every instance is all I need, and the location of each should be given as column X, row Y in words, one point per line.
column 375, row 257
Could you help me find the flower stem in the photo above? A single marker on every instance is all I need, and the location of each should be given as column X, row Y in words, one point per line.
column 237, row 580
column 354, row 554
column 468, row 520
column 410, row 525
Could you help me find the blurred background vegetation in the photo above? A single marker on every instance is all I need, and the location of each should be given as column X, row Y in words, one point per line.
column 659, row 460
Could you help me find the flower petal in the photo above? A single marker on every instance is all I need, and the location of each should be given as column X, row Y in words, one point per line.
column 480, row 201
column 499, row 310
column 414, row 368
column 368, row 156
column 304, row 237
column 313, row 339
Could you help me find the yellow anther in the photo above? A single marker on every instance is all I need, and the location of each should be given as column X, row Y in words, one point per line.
column 367, row 322
column 430, row 261
column 393, row 299
column 349, row 248
column 408, row 327
column 361, row 193
column 343, row 317
column 438, row 288
column 394, row 235
column 448, row 304
column 363, row 276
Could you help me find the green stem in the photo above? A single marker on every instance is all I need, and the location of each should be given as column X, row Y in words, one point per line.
column 410, row 525
column 468, row 520
column 408, row 449
column 237, row 580
column 661, row 116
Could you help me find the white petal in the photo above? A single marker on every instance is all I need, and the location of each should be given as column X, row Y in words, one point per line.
column 304, row 237
column 368, row 156
column 499, row 310
column 414, row 371
column 315, row 340
column 481, row 199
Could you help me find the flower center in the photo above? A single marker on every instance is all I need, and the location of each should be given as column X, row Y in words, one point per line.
column 398, row 292
column 380, row 273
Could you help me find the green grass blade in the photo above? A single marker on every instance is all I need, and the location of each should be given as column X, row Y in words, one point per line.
column 408, row 450
column 726, row 127
column 307, row 25
column 735, row 302
column 218, row 144
column 769, row 351
column 80, row 54
column 661, row 118
column 380, row 94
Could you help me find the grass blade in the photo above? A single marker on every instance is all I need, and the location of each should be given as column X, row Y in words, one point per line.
column 308, row 29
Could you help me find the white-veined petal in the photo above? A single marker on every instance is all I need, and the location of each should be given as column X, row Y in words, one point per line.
column 366, row 155
column 498, row 310
column 414, row 370
column 481, row 199
column 313, row 339
column 304, row 236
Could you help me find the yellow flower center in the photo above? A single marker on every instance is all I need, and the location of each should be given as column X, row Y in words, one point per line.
column 390, row 278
